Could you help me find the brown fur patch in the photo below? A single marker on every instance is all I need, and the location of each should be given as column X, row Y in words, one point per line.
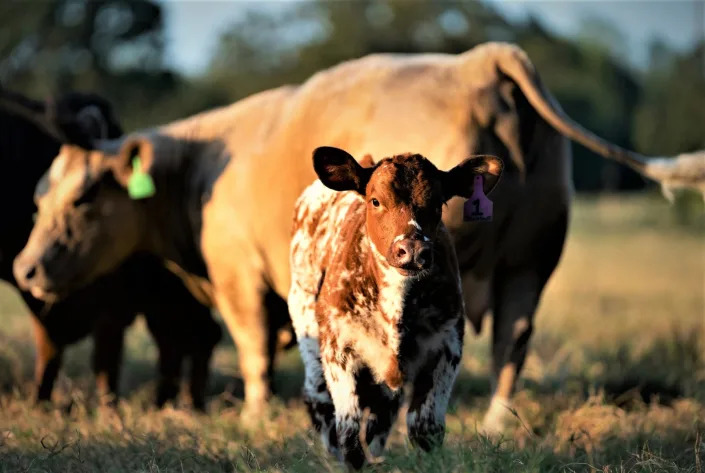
column 393, row 376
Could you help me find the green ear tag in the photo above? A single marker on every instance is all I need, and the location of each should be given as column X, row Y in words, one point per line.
column 140, row 185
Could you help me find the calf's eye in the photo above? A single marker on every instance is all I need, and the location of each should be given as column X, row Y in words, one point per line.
column 375, row 202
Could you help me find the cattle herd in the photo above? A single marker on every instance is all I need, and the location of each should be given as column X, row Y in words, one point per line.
column 378, row 265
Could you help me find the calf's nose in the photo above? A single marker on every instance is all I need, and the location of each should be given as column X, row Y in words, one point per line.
column 403, row 252
column 411, row 254
column 424, row 256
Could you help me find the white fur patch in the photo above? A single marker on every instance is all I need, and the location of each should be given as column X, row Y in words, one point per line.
column 415, row 224
column 394, row 286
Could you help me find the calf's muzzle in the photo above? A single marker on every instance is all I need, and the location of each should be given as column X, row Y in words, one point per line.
column 412, row 253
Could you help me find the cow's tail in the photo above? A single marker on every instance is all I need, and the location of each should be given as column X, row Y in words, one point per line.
column 684, row 170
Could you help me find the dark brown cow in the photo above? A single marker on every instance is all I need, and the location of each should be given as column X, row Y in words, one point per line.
column 375, row 287
column 30, row 135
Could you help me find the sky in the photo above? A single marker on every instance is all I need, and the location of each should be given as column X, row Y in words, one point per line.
column 193, row 26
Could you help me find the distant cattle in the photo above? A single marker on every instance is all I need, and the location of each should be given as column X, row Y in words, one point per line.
column 375, row 296
column 227, row 181
column 31, row 133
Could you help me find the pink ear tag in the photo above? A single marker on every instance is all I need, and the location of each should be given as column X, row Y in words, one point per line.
column 478, row 208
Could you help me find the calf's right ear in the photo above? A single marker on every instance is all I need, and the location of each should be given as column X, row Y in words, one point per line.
column 339, row 171
column 460, row 180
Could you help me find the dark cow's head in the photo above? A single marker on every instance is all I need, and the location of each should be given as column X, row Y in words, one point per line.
column 404, row 195
column 31, row 133
column 86, row 224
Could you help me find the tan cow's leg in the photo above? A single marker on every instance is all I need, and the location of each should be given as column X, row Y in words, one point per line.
column 515, row 298
column 246, row 319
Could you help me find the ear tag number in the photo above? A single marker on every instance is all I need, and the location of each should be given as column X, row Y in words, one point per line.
column 478, row 208
column 140, row 185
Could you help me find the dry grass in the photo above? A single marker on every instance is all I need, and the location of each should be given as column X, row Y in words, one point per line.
column 615, row 381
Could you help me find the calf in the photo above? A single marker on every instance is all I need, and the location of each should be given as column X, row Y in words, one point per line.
column 376, row 300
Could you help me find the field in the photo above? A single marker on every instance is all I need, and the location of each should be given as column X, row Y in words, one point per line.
column 615, row 379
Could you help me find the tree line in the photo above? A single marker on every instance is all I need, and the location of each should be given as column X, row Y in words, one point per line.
column 117, row 48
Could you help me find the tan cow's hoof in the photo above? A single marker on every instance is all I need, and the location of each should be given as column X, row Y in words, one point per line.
column 498, row 418
column 255, row 413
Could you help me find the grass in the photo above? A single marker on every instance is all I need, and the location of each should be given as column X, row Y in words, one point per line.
column 615, row 380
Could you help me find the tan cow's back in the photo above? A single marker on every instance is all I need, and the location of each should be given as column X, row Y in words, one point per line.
column 433, row 104
column 381, row 104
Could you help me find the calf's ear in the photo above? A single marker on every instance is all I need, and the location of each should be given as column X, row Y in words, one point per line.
column 460, row 180
column 339, row 171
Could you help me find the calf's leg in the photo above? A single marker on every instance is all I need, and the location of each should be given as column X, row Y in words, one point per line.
column 383, row 405
column 431, row 392
column 348, row 413
column 315, row 391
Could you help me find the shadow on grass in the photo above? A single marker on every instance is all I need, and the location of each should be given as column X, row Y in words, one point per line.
column 668, row 451
column 665, row 371
column 146, row 453
column 162, row 452
column 672, row 367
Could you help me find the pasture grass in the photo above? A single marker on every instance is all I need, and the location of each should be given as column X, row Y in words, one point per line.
column 614, row 382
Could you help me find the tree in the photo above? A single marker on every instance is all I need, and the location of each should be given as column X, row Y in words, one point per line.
column 114, row 47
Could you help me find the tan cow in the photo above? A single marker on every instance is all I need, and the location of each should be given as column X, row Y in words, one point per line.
column 227, row 181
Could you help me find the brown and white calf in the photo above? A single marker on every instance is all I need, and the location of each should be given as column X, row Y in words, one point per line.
column 375, row 299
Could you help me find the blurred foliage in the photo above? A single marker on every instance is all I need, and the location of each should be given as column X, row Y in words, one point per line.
column 113, row 47
column 117, row 48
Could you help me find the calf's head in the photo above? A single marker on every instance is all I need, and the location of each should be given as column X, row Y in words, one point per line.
column 404, row 196
column 86, row 222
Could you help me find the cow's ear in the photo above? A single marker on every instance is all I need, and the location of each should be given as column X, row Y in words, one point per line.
column 136, row 154
column 460, row 180
column 83, row 119
column 93, row 123
column 339, row 171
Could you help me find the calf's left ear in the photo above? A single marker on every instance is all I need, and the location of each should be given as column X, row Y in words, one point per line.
column 460, row 180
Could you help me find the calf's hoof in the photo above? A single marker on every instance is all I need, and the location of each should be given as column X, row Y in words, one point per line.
column 427, row 436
